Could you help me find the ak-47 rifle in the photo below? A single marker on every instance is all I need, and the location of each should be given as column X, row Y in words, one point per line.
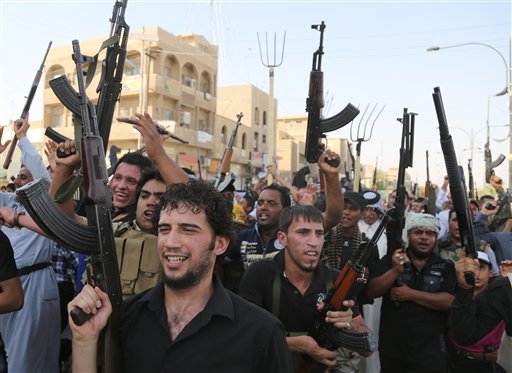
column 318, row 127
column 351, row 280
column 223, row 177
column 430, row 192
column 427, row 183
column 457, row 185
column 490, row 165
column 109, row 86
column 97, row 238
column 397, row 219
column 26, row 108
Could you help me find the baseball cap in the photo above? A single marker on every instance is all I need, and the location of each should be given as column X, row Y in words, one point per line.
column 356, row 199
column 483, row 257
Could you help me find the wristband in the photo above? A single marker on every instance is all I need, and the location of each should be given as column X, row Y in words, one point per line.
column 16, row 219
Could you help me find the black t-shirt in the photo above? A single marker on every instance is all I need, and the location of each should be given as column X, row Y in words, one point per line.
column 8, row 268
column 408, row 330
column 298, row 312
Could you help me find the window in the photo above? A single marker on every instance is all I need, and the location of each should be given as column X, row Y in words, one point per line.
column 223, row 135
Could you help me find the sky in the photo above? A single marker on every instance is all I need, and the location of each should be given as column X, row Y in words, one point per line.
column 375, row 54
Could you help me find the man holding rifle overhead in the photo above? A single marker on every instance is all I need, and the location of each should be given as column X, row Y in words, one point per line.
column 37, row 324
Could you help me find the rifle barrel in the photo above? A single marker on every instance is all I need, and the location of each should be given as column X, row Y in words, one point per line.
column 26, row 108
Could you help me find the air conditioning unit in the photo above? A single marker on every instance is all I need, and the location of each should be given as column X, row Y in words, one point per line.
column 207, row 96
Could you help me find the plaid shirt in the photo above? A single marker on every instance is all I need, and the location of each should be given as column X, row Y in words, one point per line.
column 64, row 263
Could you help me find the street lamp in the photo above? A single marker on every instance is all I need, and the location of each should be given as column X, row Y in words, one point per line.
column 507, row 89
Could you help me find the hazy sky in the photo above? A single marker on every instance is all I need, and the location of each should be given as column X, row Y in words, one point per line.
column 375, row 53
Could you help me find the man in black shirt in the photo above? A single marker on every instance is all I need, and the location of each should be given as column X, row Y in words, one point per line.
column 11, row 292
column 473, row 319
column 418, row 288
column 293, row 284
column 190, row 322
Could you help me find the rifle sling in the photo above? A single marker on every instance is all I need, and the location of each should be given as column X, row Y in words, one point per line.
column 93, row 61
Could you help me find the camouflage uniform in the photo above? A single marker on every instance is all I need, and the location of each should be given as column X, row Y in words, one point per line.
column 446, row 249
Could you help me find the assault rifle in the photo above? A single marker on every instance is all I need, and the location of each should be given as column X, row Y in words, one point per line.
column 430, row 192
column 318, row 127
column 471, row 182
column 97, row 238
column 490, row 165
column 457, row 186
column 26, row 108
column 397, row 219
column 112, row 67
column 223, row 177
column 351, row 280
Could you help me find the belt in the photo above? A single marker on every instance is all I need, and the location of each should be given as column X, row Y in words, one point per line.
column 484, row 356
column 34, row 267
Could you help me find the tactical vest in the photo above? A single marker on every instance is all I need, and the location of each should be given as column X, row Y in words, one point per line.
column 138, row 260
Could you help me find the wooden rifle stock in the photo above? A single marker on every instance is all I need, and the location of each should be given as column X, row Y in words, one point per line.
column 26, row 108
column 348, row 284
column 225, row 164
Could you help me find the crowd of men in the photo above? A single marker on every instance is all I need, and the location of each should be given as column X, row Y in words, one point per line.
column 215, row 279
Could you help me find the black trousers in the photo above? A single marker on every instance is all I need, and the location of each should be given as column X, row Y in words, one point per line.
column 390, row 364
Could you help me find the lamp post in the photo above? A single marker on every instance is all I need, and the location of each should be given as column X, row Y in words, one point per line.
column 506, row 90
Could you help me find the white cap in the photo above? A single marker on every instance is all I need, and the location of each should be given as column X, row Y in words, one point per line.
column 483, row 257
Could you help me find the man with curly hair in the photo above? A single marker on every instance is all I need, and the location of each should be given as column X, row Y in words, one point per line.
column 188, row 322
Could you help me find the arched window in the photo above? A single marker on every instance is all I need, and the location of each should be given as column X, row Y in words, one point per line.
column 224, row 136
column 244, row 141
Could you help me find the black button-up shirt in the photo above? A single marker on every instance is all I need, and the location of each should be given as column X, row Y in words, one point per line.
column 229, row 335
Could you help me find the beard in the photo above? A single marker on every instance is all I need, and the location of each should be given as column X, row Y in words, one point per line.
column 419, row 254
column 194, row 275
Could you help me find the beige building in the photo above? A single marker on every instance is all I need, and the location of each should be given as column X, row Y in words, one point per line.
column 171, row 77
column 174, row 78
column 291, row 144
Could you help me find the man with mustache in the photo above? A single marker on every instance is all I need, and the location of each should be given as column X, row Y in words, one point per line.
column 418, row 287
column 295, row 281
column 261, row 242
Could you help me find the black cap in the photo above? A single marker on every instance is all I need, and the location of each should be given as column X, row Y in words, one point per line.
column 356, row 199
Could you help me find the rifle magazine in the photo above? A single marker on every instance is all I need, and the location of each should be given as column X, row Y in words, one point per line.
column 58, row 226
column 339, row 120
column 66, row 94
